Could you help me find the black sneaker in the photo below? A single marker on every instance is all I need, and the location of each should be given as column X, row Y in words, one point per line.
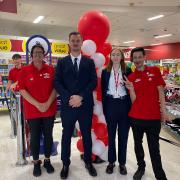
column 138, row 174
column 37, row 168
column 48, row 166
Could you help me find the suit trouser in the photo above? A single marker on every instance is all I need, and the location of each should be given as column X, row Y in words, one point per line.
column 37, row 126
column 117, row 117
column 69, row 117
column 152, row 129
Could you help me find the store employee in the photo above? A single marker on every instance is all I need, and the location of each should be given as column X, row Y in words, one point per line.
column 148, row 109
column 116, row 104
column 13, row 73
column 36, row 86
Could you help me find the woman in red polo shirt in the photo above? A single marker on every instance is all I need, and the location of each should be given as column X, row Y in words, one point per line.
column 148, row 109
column 36, row 87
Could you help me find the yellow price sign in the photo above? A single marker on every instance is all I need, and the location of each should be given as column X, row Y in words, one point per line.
column 24, row 45
column 5, row 45
column 59, row 48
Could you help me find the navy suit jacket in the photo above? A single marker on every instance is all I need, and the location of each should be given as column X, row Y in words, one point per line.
column 67, row 83
column 105, row 76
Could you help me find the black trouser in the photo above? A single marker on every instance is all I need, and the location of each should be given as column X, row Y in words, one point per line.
column 37, row 126
column 69, row 117
column 117, row 117
column 152, row 129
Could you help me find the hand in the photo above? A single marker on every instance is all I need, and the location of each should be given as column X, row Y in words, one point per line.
column 128, row 84
column 42, row 107
column 75, row 101
column 166, row 117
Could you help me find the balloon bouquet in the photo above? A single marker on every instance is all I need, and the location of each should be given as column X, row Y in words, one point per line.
column 94, row 27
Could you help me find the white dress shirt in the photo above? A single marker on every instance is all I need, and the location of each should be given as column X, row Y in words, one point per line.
column 78, row 59
column 120, row 91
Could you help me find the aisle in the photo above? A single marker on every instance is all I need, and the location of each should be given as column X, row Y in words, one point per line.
column 8, row 170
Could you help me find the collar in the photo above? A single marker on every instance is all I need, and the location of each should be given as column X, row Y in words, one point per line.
column 35, row 69
column 73, row 57
column 145, row 70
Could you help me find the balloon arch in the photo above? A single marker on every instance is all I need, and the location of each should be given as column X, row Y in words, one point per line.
column 94, row 27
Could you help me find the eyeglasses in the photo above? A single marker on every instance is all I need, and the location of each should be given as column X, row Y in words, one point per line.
column 38, row 52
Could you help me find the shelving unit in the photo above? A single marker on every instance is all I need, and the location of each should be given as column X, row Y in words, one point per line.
column 173, row 107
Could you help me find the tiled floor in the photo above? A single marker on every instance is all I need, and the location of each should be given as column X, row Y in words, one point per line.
column 8, row 170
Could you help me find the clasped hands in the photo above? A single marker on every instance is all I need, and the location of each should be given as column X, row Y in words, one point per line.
column 75, row 101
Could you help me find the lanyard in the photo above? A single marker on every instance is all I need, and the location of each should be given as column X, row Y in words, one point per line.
column 116, row 79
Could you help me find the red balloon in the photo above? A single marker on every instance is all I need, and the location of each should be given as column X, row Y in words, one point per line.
column 93, row 157
column 105, row 48
column 104, row 140
column 94, row 25
column 107, row 60
column 94, row 121
column 79, row 133
column 100, row 130
column 80, row 145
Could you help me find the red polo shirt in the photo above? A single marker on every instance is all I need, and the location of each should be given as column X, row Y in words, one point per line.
column 39, row 84
column 13, row 74
column 146, row 106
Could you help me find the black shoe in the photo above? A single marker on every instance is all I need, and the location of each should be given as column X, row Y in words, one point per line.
column 64, row 172
column 138, row 174
column 91, row 169
column 48, row 166
column 37, row 168
column 110, row 167
column 122, row 169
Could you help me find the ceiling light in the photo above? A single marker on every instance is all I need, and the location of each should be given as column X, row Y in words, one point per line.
column 162, row 36
column 126, row 42
column 156, row 44
column 155, row 17
column 38, row 19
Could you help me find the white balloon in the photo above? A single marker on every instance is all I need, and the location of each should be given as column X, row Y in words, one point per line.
column 104, row 155
column 88, row 47
column 98, row 110
column 77, row 126
column 98, row 147
column 102, row 119
column 94, row 96
column 93, row 136
column 99, row 72
column 99, row 59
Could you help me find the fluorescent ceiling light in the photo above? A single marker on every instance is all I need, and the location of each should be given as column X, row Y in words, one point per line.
column 38, row 19
column 156, row 44
column 126, row 42
column 155, row 17
column 162, row 36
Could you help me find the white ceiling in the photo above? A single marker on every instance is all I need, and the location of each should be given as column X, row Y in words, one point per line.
column 128, row 19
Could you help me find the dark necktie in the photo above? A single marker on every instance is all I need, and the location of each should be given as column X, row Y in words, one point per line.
column 76, row 65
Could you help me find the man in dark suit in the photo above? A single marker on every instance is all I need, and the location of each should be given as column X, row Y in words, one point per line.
column 75, row 80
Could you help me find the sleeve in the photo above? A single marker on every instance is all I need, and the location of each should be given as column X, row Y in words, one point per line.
column 103, row 91
column 92, row 83
column 59, row 85
column 21, row 80
column 10, row 77
column 158, row 77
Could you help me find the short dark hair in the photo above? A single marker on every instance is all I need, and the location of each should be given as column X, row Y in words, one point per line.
column 37, row 46
column 137, row 49
column 74, row 33
column 16, row 56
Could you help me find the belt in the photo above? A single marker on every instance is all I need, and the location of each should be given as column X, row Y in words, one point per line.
column 120, row 97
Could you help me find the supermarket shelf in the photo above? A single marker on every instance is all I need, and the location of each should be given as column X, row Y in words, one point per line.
column 172, row 132
column 4, row 109
column 4, row 98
